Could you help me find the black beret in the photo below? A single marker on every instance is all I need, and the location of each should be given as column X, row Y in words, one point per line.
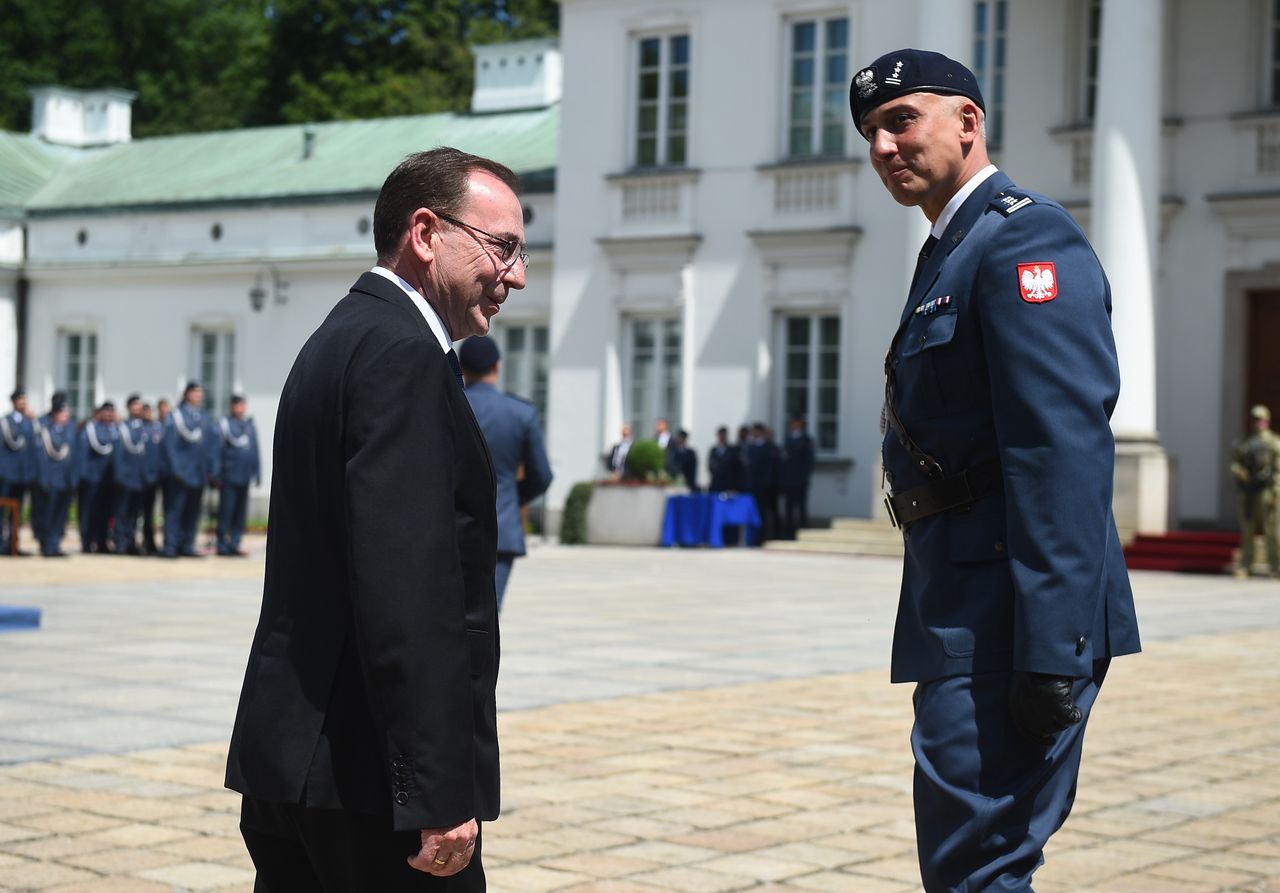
column 909, row 71
column 191, row 386
column 106, row 405
column 58, row 402
column 20, row 392
column 478, row 354
column 133, row 398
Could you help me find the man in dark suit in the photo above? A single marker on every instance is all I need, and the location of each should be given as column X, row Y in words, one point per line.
column 616, row 461
column 1000, row 383
column 365, row 744
column 797, row 469
column 724, row 464
column 682, row 460
column 514, row 434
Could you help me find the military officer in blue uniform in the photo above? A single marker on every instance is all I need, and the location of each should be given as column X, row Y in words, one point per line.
column 724, row 464
column 56, row 477
column 17, row 463
column 156, row 471
column 1000, row 382
column 95, row 450
column 131, row 468
column 237, row 466
column 514, row 435
column 187, row 444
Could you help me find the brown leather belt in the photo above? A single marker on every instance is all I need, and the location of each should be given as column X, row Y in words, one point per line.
column 944, row 494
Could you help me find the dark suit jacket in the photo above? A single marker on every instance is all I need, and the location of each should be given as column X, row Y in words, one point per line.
column 370, row 683
column 514, row 434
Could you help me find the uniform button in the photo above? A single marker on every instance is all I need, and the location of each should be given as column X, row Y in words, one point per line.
column 402, row 798
column 999, row 545
column 1079, row 646
column 924, row 338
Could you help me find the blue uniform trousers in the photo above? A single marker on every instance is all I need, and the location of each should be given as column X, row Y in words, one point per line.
column 52, row 506
column 95, row 514
column 128, row 510
column 501, row 574
column 233, row 503
column 986, row 799
column 181, row 517
column 149, row 518
column 10, row 490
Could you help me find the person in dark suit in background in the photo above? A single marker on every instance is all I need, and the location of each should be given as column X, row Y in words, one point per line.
column 724, row 464
column 365, row 743
column 514, row 433
column 682, row 460
column 762, row 472
column 797, row 469
column 616, row 461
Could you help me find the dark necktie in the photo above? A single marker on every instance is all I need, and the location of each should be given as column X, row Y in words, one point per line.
column 457, row 368
column 925, row 251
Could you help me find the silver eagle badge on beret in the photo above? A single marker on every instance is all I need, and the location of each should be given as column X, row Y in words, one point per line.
column 866, row 82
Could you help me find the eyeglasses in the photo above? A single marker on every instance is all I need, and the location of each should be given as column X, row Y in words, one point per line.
column 509, row 250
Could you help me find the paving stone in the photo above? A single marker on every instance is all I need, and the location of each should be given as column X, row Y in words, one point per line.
column 197, row 875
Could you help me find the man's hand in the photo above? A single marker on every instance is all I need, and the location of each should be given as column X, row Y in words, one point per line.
column 1041, row 705
column 446, row 851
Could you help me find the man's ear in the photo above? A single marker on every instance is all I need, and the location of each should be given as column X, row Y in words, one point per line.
column 424, row 230
column 970, row 121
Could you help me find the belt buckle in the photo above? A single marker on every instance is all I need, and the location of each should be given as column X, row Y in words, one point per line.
column 893, row 516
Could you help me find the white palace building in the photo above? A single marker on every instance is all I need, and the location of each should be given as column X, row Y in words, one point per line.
column 708, row 242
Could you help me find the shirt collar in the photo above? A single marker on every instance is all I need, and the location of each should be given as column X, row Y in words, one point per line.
column 958, row 199
column 428, row 312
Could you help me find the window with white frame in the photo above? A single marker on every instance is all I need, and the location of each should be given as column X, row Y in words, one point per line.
column 990, row 27
column 1092, row 49
column 78, row 370
column 662, row 101
column 653, row 378
column 810, row 378
column 213, row 363
column 525, row 364
column 818, row 88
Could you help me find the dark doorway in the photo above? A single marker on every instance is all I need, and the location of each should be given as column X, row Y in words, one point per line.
column 1263, row 363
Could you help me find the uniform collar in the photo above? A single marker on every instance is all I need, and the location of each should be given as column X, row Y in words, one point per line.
column 424, row 307
column 940, row 225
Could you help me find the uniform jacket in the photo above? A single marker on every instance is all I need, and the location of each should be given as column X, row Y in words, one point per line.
column 131, row 459
column 237, row 462
column 986, row 369
column 17, row 448
column 370, row 683
column 55, row 456
column 762, row 461
column 189, row 442
column 157, row 466
column 797, row 463
column 514, row 435
column 95, row 451
column 1255, row 464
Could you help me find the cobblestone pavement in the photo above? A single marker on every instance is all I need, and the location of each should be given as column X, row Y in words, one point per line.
column 671, row 721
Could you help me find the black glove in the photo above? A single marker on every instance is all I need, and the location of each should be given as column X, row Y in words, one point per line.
column 1041, row 705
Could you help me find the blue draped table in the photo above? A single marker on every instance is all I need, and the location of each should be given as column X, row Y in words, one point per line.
column 696, row 519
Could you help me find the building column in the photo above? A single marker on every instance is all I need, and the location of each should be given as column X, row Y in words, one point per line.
column 1124, row 224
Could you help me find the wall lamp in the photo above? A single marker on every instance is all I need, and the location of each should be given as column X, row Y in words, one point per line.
column 278, row 288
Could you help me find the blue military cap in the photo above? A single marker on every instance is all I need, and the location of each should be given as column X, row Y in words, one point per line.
column 478, row 354
column 909, row 71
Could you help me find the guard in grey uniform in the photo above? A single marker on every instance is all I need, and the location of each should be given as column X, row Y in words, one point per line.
column 514, row 435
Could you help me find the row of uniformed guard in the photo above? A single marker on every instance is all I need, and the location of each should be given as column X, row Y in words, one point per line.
column 114, row 469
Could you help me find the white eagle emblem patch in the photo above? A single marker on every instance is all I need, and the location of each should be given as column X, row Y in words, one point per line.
column 866, row 81
column 1039, row 282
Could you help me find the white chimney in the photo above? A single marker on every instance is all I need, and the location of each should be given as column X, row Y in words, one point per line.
column 82, row 118
column 527, row 74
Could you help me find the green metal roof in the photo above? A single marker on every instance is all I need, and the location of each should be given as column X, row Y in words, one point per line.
column 266, row 164
column 26, row 164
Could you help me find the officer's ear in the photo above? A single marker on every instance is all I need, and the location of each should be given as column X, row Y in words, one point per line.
column 971, row 120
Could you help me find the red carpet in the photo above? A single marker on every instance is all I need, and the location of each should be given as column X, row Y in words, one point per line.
column 1187, row 551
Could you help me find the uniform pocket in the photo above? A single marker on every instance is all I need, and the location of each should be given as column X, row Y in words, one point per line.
column 934, row 332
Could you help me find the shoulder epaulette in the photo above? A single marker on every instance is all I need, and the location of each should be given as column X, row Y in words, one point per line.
column 1010, row 200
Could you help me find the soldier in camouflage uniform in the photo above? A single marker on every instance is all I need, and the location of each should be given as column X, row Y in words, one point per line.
column 1256, row 467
